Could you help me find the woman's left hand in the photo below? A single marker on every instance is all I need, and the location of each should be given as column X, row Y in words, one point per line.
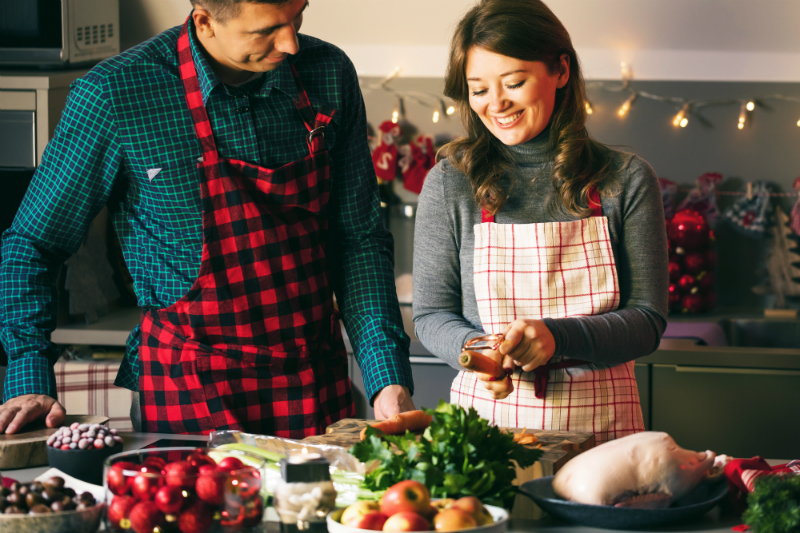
column 528, row 344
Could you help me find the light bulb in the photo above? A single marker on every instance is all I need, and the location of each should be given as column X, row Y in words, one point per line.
column 798, row 123
column 589, row 109
column 741, row 125
column 395, row 116
column 450, row 110
column 627, row 105
column 751, row 105
column 684, row 122
column 681, row 119
column 435, row 117
column 742, row 116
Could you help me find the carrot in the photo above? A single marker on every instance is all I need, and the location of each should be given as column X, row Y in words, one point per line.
column 477, row 362
column 400, row 423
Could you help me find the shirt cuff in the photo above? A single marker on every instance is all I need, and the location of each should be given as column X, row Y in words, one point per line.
column 31, row 374
column 388, row 368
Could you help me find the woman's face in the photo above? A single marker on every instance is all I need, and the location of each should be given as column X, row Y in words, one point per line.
column 513, row 98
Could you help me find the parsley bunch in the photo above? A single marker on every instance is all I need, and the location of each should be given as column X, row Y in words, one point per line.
column 774, row 505
column 460, row 454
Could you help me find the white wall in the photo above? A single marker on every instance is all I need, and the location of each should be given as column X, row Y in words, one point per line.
column 715, row 40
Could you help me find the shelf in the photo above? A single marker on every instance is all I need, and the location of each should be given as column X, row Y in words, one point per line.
column 111, row 330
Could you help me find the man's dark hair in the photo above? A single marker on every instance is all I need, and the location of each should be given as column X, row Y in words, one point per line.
column 224, row 10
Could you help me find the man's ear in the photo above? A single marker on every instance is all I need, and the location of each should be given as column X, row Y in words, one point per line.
column 563, row 67
column 203, row 22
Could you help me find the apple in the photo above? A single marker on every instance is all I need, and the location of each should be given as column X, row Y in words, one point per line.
column 475, row 507
column 120, row 509
column 146, row 483
column 453, row 519
column 406, row 521
column 180, row 474
column 357, row 510
column 372, row 520
column 444, row 503
column 406, row 496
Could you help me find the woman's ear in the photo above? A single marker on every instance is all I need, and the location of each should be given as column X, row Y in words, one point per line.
column 563, row 67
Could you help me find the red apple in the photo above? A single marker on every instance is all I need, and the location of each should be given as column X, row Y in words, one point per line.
column 180, row 474
column 196, row 519
column 357, row 510
column 373, row 520
column 147, row 482
column 118, row 483
column 406, row 496
column 407, row 521
column 169, row 499
column 210, row 487
column 120, row 509
column 454, row 519
column 145, row 516
column 475, row 507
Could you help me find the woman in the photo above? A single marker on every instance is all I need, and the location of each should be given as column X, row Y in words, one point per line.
column 531, row 229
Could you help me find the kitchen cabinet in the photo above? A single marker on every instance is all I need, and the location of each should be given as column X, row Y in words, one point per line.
column 740, row 412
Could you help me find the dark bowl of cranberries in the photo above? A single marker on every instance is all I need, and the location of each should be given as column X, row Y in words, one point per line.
column 48, row 507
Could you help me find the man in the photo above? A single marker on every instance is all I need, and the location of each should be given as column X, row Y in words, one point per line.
column 232, row 155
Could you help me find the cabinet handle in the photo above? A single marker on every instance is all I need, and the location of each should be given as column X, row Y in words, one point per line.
column 426, row 360
column 740, row 371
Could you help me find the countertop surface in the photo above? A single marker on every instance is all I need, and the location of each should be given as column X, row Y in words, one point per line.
column 711, row 522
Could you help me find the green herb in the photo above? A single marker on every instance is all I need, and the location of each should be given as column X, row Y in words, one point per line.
column 774, row 505
column 460, row 454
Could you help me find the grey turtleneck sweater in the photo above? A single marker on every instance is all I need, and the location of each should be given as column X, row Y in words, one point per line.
column 445, row 310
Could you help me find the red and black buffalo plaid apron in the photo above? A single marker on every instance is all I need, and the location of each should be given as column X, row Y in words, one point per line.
column 255, row 344
column 557, row 270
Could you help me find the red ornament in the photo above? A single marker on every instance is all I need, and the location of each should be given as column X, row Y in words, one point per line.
column 147, row 482
column 688, row 229
column 230, row 464
column 169, row 499
column 120, row 509
column 198, row 459
column 674, row 297
column 711, row 258
column 210, row 487
column 180, row 474
column 196, row 519
column 145, row 517
column 674, row 270
column 694, row 262
column 119, row 483
column 686, row 282
column 705, row 280
column 693, row 303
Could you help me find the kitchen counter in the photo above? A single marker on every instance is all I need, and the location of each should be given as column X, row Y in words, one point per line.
column 711, row 522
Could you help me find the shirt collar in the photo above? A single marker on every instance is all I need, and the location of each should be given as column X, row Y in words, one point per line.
column 281, row 78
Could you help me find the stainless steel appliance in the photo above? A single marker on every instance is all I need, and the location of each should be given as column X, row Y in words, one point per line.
column 57, row 33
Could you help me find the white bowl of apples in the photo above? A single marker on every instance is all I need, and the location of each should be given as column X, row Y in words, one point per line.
column 407, row 506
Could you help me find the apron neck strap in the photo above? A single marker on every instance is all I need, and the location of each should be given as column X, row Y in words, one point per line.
column 315, row 121
column 594, row 204
column 194, row 97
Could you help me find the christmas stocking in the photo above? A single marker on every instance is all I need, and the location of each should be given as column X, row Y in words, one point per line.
column 750, row 216
column 385, row 155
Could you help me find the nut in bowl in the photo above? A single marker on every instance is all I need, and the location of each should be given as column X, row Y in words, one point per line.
column 48, row 507
column 406, row 506
column 80, row 449
column 183, row 487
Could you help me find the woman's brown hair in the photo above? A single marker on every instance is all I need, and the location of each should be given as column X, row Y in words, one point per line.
column 529, row 31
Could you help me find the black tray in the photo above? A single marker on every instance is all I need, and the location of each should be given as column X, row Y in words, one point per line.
column 701, row 500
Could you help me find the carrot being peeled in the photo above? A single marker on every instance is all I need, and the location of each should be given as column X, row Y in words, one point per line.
column 477, row 362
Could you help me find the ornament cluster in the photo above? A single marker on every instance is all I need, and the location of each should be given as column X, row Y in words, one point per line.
column 692, row 262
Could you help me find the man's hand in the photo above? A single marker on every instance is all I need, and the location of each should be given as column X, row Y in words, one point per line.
column 392, row 400
column 527, row 343
column 17, row 412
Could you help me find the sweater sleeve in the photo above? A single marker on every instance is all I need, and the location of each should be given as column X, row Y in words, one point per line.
column 438, row 314
column 635, row 328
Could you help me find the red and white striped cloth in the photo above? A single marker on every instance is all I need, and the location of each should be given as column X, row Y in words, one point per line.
column 87, row 388
column 556, row 270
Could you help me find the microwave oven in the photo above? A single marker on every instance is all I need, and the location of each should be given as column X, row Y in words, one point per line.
column 57, row 33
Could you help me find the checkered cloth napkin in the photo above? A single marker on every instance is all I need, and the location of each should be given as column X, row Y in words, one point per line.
column 87, row 387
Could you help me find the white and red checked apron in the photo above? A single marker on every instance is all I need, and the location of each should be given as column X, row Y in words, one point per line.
column 255, row 344
column 551, row 270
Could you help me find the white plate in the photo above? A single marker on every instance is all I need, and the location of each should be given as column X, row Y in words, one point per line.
column 499, row 514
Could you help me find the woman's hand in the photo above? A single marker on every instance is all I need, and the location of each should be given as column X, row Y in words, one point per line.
column 498, row 387
column 528, row 344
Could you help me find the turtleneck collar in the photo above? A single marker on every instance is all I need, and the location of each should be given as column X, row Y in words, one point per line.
column 535, row 152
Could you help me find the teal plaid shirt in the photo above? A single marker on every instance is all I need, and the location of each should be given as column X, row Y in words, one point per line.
column 128, row 115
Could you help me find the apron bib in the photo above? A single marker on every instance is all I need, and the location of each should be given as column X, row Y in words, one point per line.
column 255, row 345
column 551, row 270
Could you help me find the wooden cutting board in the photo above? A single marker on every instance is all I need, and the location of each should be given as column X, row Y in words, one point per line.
column 29, row 447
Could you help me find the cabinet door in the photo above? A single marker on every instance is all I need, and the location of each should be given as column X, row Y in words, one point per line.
column 740, row 412
column 432, row 380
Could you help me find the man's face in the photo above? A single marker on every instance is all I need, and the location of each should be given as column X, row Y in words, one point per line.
column 257, row 39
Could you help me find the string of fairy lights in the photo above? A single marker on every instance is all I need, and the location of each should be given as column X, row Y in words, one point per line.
column 687, row 109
